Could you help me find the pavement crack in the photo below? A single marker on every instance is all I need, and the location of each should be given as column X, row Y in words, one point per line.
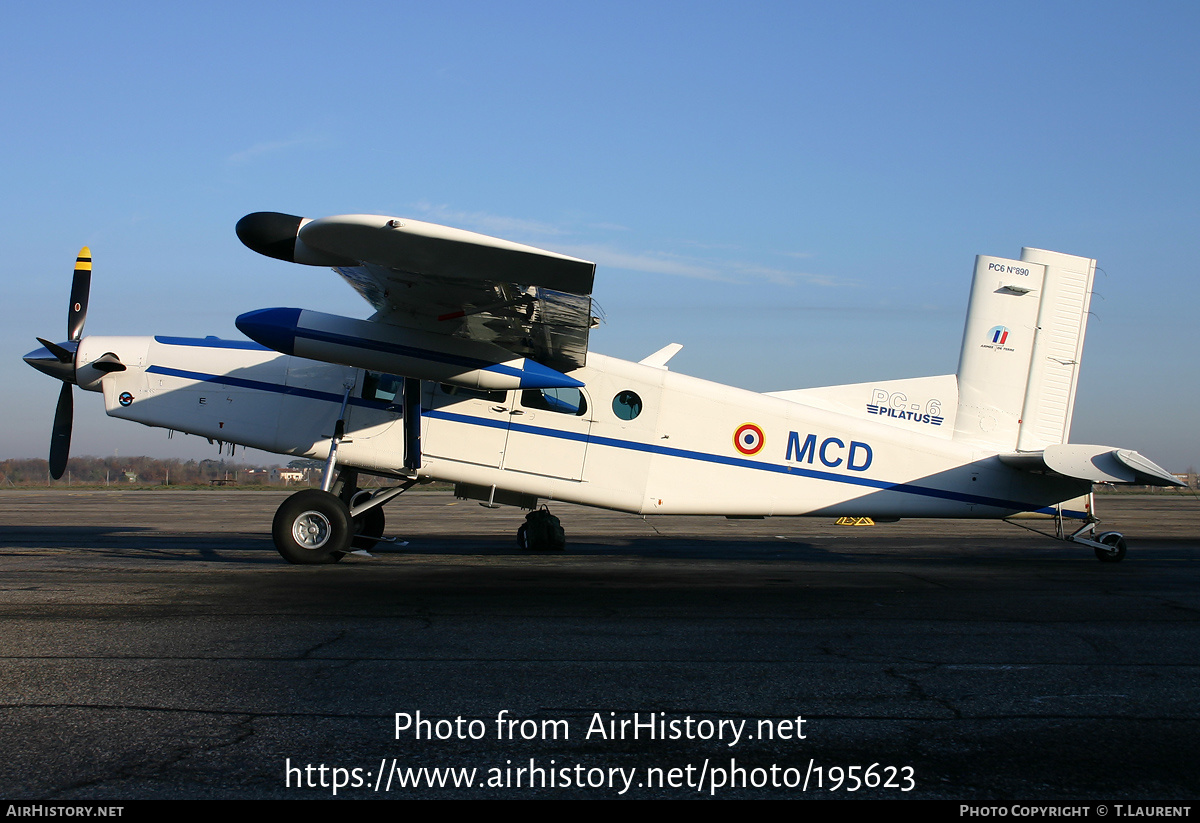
column 917, row 691
column 324, row 644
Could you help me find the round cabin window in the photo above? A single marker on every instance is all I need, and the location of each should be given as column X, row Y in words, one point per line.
column 627, row 405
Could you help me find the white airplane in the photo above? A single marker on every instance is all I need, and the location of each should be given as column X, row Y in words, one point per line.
column 475, row 369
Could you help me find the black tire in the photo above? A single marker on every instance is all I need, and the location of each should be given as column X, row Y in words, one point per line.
column 312, row 527
column 368, row 528
column 1115, row 554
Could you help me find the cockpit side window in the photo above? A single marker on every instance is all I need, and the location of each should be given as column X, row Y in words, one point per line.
column 562, row 401
column 381, row 387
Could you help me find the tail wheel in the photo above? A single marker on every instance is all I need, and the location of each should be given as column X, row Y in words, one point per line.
column 1116, row 551
column 312, row 527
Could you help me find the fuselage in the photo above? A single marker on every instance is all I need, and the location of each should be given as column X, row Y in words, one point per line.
column 635, row 437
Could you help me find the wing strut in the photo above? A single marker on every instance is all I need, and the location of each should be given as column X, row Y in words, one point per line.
column 412, row 424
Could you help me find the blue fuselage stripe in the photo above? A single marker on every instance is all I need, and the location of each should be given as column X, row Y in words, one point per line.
column 260, row 385
column 210, row 343
column 629, row 445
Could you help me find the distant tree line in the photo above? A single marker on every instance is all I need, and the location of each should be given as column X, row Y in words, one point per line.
column 148, row 471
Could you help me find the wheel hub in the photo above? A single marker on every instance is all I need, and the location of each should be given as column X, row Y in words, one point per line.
column 312, row 530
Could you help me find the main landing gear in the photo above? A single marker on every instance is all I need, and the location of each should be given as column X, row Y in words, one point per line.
column 320, row 525
column 314, row 526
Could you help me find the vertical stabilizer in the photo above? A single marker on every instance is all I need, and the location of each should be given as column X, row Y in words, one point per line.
column 1019, row 363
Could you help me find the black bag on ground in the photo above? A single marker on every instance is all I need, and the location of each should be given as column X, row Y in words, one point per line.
column 542, row 532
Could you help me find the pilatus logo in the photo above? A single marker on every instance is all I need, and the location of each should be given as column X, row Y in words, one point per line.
column 897, row 406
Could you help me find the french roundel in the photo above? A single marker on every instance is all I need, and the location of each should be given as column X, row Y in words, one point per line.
column 748, row 439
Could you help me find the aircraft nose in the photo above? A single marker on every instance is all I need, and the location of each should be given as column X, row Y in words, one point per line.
column 49, row 363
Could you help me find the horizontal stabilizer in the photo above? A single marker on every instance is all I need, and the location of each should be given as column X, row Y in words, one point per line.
column 1099, row 464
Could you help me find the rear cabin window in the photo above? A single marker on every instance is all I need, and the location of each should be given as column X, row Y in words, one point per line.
column 627, row 405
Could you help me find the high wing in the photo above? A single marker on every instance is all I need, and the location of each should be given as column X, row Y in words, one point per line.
column 440, row 280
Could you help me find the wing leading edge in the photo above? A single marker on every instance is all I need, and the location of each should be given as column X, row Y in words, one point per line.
column 441, row 280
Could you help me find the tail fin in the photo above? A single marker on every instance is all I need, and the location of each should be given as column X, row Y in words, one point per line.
column 1022, row 344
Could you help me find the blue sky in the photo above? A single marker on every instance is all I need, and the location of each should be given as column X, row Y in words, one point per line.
column 794, row 191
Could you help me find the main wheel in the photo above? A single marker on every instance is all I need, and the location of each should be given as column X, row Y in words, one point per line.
column 312, row 526
column 368, row 528
column 1116, row 552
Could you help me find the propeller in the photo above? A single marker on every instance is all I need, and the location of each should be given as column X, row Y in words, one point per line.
column 58, row 360
column 81, row 287
column 60, row 435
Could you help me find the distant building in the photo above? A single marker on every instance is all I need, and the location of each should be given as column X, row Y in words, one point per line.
column 288, row 476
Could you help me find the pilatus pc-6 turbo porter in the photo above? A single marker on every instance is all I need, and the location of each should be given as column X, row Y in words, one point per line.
column 475, row 369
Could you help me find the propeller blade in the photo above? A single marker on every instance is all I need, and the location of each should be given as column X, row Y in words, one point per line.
column 81, row 286
column 60, row 437
column 64, row 355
